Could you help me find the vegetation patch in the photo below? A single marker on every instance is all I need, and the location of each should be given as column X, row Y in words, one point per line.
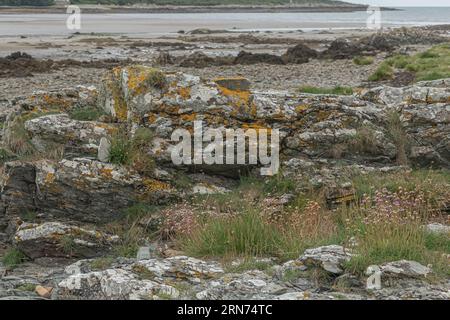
column 338, row 90
column 102, row 263
column 17, row 140
column 134, row 229
column 383, row 72
column 86, row 114
column 397, row 133
column 432, row 64
column 13, row 257
column 363, row 60
column 386, row 221
column 131, row 151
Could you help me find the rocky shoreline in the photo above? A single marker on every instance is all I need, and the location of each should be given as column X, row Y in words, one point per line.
column 92, row 207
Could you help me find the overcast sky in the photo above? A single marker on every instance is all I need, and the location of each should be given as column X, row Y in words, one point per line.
column 405, row 3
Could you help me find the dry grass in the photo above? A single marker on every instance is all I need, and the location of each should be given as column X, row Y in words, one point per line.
column 17, row 140
column 398, row 134
column 386, row 223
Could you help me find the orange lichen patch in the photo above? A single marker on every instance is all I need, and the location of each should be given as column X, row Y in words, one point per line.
column 211, row 119
column 358, row 90
column 116, row 72
column 169, row 109
column 49, row 178
column 256, row 126
column 120, row 106
column 152, row 118
column 184, row 92
column 106, row 172
column 107, row 127
column 301, row 108
column 140, row 79
column 189, row 117
column 152, row 185
column 39, row 111
column 239, row 97
column 137, row 79
column 322, row 115
column 55, row 101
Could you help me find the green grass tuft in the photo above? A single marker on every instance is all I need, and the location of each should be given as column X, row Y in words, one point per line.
column 384, row 72
column 132, row 151
column 338, row 90
column 86, row 114
column 363, row 61
column 13, row 257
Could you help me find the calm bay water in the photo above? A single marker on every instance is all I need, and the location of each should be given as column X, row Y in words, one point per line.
column 54, row 24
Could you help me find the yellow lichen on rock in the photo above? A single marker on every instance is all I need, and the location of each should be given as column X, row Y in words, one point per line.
column 241, row 100
column 184, row 92
column 301, row 108
column 188, row 117
column 142, row 78
column 49, row 178
column 152, row 185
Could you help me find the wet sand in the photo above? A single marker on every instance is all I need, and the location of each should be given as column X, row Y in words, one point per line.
column 161, row 24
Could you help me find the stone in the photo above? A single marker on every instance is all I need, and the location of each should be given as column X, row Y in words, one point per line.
column 44, row 292
column 330, row 258
column 299, row 54
column 438, row 228
column 317, row 126
column 113, row 284
column 237, row 83
column 81, row 189
column 208, row 189
column 55, row 239
column 245, row 57
column 342, row 49
column 290, row 267
column 405, row 268
column 170, row 253
column 181, row 266
column 143, row 254
column 104, row 150
column 77, row 137
column 292, row 296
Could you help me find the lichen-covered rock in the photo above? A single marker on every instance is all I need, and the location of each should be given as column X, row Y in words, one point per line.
column 188, row 278
column 144, row 279
column 55, row 239
column 181, row 267
column 438, row 228
column 404, row 268
column 425, row 114
column 79, row 189
column 77, row 137
column 113, row 284
column 317, row 126
column 406, row 279
column 62, row 100
column 330, row 258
